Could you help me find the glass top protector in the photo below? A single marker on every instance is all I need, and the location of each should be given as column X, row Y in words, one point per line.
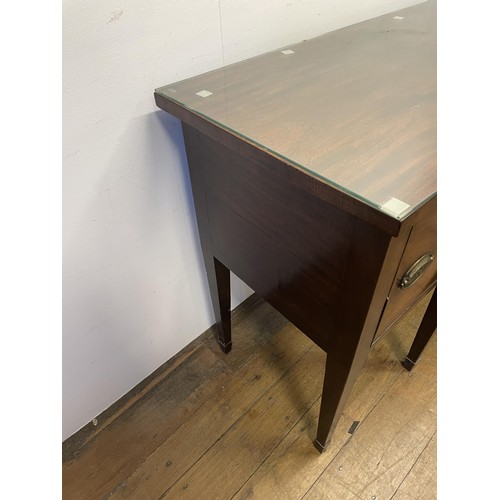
column 355, row 107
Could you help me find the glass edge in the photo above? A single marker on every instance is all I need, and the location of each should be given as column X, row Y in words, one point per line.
column 407, row 213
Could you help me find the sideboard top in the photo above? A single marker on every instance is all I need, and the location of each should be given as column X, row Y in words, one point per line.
column 355, row 107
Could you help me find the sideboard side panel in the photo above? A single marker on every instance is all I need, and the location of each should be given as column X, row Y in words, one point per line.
column 293, row 249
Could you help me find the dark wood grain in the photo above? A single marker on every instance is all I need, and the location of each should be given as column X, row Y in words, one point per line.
column 326, row 271
column 298, row 216
column 296, row 176
column 356, row 107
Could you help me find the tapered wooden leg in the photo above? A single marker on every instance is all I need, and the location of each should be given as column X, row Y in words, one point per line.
column 426, row 329
column 340, row 376
column 220, row 292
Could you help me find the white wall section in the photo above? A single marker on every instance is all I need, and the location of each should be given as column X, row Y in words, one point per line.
column 134, row 285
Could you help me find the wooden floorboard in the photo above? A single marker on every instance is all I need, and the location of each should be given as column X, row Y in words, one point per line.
column 388, row 441
column 241, row 425
column 420, row 483
column 215, row 417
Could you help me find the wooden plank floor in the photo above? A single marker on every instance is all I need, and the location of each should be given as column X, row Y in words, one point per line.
column 212, row 426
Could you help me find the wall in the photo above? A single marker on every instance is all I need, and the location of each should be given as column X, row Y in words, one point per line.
column 133, row 280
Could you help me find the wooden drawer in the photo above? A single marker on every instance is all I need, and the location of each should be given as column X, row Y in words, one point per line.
column 422, row 241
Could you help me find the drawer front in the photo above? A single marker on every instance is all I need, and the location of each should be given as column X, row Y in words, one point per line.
column 416, row 273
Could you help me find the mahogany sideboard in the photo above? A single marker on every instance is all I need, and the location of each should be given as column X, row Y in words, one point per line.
column 313, row 170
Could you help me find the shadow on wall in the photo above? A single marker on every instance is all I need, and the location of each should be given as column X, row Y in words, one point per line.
column 172, row 126
column 135, row 291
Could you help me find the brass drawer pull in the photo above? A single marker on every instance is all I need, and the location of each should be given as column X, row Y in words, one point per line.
column 416, row 270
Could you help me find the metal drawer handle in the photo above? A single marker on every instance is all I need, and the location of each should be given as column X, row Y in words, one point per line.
column 416, row 270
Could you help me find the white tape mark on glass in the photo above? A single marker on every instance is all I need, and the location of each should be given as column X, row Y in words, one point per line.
column 395, row 207
column 204, row 93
